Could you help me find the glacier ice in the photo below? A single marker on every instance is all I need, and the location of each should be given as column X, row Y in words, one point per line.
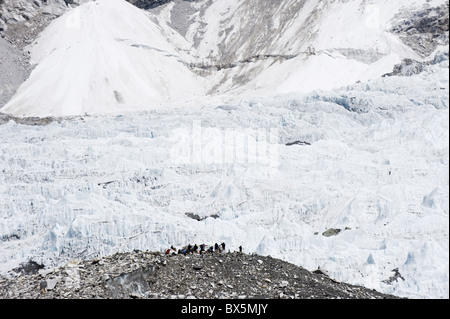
column 378, row 170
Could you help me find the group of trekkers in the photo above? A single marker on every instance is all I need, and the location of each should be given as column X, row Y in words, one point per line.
column 198, row 249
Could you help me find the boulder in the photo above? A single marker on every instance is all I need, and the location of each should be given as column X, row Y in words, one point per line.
column 331, row 232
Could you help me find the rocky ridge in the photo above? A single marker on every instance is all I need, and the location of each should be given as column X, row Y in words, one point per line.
column 21, row 21
column 148, row 4
column 154, row 275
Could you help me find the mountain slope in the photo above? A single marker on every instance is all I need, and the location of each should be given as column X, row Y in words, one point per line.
column 181, row 50
column 290, row 45
column 92, row 60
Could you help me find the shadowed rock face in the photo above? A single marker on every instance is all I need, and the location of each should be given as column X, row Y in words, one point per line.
column 158, row 276
column 424, row 30
column 148, row 4
column 21, row 21
column 14, row 70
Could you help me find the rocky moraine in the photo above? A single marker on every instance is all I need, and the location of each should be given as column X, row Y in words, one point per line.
column 155, row 275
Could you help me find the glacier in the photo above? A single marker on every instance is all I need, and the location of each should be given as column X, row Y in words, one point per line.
column 267, row 146
column 88, row 186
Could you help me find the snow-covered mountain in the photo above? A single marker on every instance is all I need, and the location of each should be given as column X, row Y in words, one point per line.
column 103, row 56
column 258, row 123
column 292, row 45
column 138, row 59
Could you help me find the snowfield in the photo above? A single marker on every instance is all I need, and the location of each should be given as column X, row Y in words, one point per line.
column 145, row 151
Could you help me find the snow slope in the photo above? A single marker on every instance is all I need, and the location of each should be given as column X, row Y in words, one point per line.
column 351, row 39
column 104, row 56
column 109, row 56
